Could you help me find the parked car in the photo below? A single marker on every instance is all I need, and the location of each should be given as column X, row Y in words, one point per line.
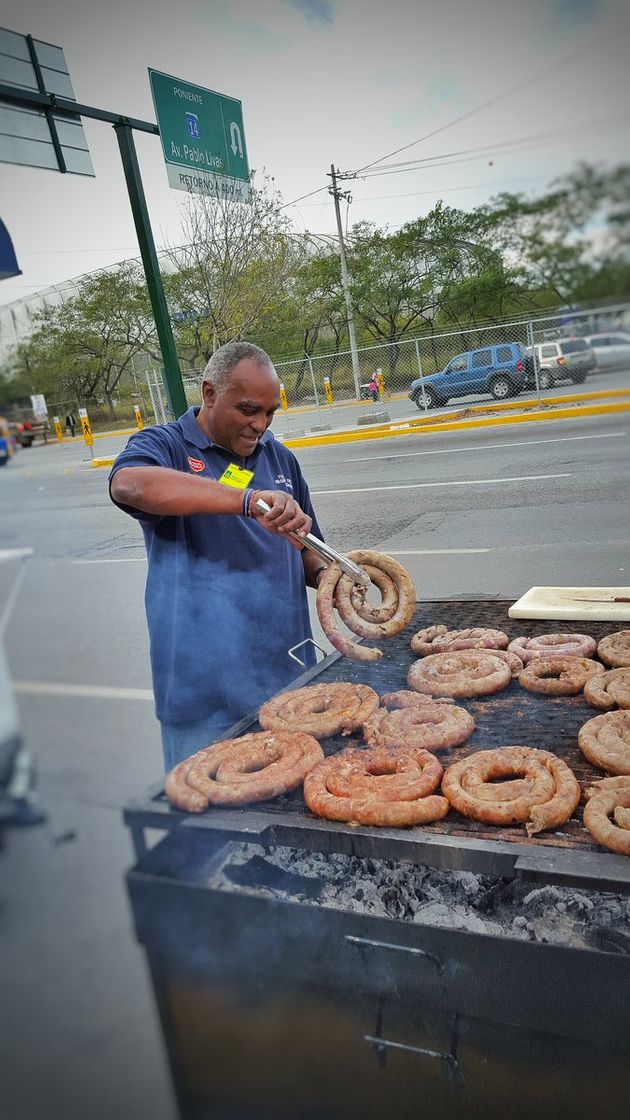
column 27, row 431
column 610, row 349
column 567, row 359
column 499, row 370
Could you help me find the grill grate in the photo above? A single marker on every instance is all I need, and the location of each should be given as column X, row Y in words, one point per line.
column 512, row 717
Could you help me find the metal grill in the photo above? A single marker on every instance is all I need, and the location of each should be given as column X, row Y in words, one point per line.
column 511, row 717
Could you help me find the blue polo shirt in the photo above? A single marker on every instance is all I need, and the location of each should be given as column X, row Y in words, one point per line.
column 225, row 600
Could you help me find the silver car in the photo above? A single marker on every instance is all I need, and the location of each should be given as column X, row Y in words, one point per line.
column 610, row 349
column 567, row 359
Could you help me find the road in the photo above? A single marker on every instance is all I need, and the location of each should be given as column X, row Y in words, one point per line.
column 345, row 415
column 483, row 514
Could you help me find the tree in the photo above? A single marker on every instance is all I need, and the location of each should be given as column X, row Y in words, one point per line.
column 81, row 348
column 232, row 268
column 551, row 239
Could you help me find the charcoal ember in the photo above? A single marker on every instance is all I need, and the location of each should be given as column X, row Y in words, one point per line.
column 522, row 928
column 542, row 897
column 579, row 904
column 440, row 914
column 394, row 902
column 610, row 940
column 427, row 896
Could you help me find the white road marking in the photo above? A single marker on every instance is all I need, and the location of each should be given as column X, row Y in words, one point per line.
column 433, row 485
column 93, row 692
column 434, row 551
column 484, row 447
column 115, row 560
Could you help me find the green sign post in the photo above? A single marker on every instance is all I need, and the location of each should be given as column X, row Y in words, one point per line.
column 203, row 138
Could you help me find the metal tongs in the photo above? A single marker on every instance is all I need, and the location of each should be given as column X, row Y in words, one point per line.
column 324, row 551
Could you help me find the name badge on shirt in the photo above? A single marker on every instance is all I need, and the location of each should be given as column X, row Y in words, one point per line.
column 237, row 477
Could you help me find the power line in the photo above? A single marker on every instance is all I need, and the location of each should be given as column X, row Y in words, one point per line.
column 492, row 146
column 478, row 109
column 309, row 195
column 446, row 190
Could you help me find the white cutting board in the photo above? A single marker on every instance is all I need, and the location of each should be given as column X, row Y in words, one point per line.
column 566, row 602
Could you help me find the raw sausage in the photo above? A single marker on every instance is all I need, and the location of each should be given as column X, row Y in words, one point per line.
column 553, row 645
column 559, row 676
column 430, row 726
column 320, row 709
column 549, row 797
column 437, row 639
column 384, row 788
column 460, row 674
column 395, row 612
column 255, row 767
column 605, row 741
column 614, row 649
column 610, row 690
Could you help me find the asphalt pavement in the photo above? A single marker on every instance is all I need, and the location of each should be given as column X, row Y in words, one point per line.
column 480, row 515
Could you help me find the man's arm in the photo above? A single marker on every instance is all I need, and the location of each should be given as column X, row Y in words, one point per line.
column 169, row 493
column 313, row 567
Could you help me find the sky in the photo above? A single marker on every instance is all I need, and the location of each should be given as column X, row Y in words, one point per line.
column 325, row 81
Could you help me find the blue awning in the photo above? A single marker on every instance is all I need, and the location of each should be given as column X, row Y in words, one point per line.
column 8, row 260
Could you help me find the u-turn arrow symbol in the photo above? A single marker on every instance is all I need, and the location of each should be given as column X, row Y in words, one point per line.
column 235, row 137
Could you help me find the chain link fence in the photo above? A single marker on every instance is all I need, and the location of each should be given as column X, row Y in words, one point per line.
column 534, row 355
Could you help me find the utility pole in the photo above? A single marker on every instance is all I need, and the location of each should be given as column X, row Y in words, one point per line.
column 345, row 281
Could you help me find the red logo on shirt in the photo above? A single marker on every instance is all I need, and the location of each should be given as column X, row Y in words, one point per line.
column 196, row 465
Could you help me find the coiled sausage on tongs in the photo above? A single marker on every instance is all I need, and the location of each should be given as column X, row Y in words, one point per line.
column 344, row 586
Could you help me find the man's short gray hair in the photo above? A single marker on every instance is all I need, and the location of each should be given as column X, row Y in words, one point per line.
column 226, row 357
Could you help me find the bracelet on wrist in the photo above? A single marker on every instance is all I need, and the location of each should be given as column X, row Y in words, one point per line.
column 248, row 497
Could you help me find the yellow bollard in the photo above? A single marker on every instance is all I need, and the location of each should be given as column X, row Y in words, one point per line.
column 86, row 428
column 138, row 416
column 328, row 390
column 58, row 429
column 283, row 397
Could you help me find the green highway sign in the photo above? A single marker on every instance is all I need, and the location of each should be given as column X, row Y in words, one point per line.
column 203, row 138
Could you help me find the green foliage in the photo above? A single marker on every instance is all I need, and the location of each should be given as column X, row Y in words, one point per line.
column 243, row 273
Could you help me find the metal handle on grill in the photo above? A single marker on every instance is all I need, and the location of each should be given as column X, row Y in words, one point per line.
column 306, row 642
column 364, row 943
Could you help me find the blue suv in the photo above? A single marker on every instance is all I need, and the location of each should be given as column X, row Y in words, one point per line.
column 500, row 370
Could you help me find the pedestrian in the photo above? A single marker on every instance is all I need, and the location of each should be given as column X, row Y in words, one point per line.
column 225, row 594
column 71, row 423
column 373, row 387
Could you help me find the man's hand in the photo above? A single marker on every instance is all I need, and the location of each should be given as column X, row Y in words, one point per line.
column 285, row 515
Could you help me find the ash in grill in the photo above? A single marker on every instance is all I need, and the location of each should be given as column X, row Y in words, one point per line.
column 451, row 900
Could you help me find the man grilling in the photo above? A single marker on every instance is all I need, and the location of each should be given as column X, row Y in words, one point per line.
column 226, row 588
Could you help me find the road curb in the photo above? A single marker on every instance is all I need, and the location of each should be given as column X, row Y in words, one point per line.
column 480, row 419
column 412, row 427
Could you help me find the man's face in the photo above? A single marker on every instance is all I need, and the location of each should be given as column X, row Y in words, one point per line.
column 241, row 414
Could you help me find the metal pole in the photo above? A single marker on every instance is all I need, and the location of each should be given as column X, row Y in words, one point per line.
column 530, row 343
column 173, row 376
column 424, row 396
column 345, row 282
column 310, row 366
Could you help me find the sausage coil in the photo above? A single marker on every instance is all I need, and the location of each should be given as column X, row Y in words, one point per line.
column 398, row 603
column 544, row 795
column 255, row 767
column 379, row 787
column 320, row 709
